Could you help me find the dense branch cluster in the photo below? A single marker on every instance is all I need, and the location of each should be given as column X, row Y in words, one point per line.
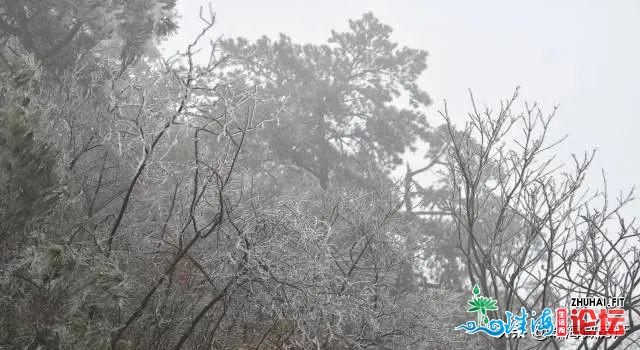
column 527, row 228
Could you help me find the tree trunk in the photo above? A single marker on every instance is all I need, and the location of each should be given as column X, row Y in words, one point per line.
column 323, row 149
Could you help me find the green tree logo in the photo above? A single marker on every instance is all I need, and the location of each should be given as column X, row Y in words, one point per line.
column 481, row 305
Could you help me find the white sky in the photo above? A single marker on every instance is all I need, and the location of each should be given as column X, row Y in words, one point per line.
column 583, row 55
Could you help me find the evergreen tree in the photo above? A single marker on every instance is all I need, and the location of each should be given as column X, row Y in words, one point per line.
column 340, row 117
column 58, row 33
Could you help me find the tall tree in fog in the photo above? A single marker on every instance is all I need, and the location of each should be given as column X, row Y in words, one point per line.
column 341, row 117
